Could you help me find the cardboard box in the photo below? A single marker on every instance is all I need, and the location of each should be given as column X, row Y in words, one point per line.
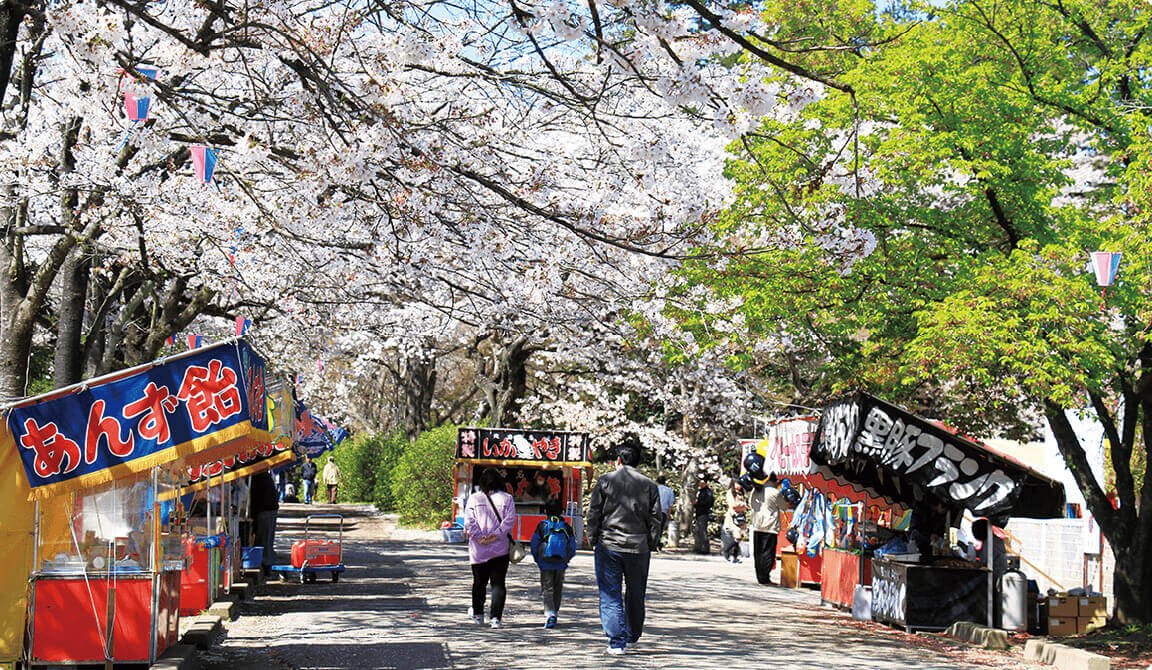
column 1063, row 607
column 1092, row 606
column 1087, row 624
column 1059, row 627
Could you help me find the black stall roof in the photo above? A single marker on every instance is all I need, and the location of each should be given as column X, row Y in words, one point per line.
column 864, row 439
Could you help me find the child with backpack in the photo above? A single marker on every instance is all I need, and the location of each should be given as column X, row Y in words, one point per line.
column 553, row 546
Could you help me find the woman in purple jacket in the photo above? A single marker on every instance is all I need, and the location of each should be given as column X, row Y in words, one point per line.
column 489, row 517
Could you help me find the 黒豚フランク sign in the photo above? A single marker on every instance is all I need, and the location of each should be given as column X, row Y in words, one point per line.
column 165, row 411
column 866, row 440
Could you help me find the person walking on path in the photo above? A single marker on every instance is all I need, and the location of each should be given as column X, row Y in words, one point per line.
column 732, row 531
column 264, row 506
column 703, row 511
column 623, row 524
column 667, row 503
column 553, row 546
column 308, row 479
column 489, row 516
column 331, row 479
column 766, row 503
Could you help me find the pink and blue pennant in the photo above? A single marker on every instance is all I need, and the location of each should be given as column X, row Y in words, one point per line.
column 194, row 341
column 204, row 162
column 136, row 109
column 1105, row 264
column 148, row 71
column 242, row 326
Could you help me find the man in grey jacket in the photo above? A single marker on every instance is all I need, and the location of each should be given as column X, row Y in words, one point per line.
column 623, row 526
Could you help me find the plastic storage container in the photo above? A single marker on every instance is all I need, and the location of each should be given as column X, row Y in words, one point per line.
column 251, row 558
column 1014, row 601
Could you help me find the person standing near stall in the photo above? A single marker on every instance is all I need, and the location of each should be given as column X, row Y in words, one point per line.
column 331, row 479
column 732, row 531
column 667, row 503
column 765, row 504
column 308, row 479
column 623, row 523
column 703, row 511
column 265, row 505
column 489, row 516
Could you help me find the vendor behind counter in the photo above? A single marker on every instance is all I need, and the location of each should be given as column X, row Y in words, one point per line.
column 928, row 528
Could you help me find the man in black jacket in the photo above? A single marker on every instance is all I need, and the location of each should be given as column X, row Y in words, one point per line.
column 264, row 505
column 623, row 524
column 308, row 479
column 703, row 511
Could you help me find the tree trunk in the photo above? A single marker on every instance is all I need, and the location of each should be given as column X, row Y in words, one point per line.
column 1131, row 582
column 418, row 374
column 1129, row 528
column 68, row 365
column 512, row 381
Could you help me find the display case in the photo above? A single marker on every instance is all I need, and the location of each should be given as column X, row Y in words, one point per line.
column 107, row 562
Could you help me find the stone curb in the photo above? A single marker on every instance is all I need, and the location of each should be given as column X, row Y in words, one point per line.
column 225, row 609
column 1064, row 657
column 240, row 591
column 989, row 638
column 178, row 657
column 203, row 631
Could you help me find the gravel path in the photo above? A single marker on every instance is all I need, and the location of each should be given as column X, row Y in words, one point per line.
column 402, row 604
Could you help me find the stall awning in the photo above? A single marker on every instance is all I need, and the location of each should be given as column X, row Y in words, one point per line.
column 907, row 458
column 123, row 424
column 511, row 446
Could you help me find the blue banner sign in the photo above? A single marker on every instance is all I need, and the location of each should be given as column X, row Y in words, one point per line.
column 315, row 435
column 163, row 412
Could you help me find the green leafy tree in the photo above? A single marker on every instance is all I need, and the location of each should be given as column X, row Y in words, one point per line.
column 922, row 230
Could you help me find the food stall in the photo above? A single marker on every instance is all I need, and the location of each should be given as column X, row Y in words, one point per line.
column 925, row 466
column 103, row 462
column 536, row 465
column 835, row 565
column 216, row 495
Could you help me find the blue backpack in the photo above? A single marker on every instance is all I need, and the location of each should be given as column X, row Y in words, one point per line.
column 555, row 544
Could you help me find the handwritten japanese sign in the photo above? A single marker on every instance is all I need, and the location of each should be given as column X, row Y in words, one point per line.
column 785, row 449
column 523, row 445
column 270, row 454
column 142, row 418
column 866, row 439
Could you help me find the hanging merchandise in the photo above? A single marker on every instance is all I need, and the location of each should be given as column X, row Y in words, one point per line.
column 204, row 162
column 810, row 521
column 829, row 525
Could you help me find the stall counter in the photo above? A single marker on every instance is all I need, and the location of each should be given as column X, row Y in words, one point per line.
column 200, row 581
column 69, row 615
column 928, row 597
column 842, row 572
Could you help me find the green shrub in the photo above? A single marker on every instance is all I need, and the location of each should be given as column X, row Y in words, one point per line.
column 358, row 458
column 422, row 479
column 391, row 449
